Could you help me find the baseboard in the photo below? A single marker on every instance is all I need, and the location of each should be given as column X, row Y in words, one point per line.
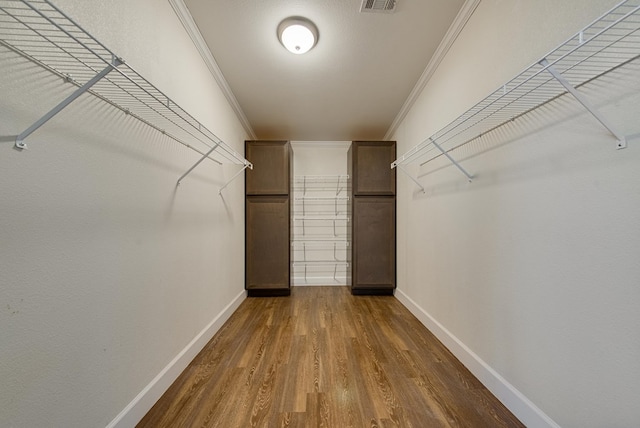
column 139, row 406
column 528, row 413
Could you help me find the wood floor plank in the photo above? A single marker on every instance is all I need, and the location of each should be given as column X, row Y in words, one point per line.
column 324, row 358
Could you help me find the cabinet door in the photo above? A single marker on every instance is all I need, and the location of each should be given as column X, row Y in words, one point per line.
column 271, row 167
column 374, row 245
column 372, row 173
column 267, row 243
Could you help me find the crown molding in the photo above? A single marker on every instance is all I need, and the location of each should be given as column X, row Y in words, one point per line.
column 450, row 37
column 194, row 33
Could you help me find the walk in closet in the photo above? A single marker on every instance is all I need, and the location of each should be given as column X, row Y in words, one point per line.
column 436, row 191
column 342, row 226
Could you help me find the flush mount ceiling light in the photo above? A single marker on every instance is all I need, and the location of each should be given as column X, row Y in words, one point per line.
column 297, row 34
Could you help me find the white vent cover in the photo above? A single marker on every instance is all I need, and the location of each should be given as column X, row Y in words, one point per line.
column 384, row 6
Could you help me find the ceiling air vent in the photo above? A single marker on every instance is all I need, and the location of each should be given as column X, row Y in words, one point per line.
column 383, row 6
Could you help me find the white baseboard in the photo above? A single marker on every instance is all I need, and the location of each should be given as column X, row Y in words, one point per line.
column 528, row 413
column 514, row 400
column 139, row 406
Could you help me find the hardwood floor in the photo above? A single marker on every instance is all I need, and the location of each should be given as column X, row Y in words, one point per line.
column 324, row 358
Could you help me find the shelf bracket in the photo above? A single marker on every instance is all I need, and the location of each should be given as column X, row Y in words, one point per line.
column 452, row 160
column 20, row 144
column 400, row 167
column 622, row 142
column 245, row 166
column 206, row 155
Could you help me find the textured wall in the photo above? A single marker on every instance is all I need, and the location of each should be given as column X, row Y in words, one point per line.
column 107, row 271
column 532, row 266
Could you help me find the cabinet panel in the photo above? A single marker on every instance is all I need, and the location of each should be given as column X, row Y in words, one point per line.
column 374, row 244
column 372, row 173
column 267, row 243
column 271, row 167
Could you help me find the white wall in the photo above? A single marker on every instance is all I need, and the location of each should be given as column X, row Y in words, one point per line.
column 107, row 271
column 312, row 258
column 530, row 273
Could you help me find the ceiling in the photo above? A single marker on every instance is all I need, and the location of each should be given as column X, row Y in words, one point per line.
column 351, row 86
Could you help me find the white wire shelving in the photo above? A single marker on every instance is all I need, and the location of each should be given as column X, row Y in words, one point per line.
column 611, row 41
column 337, row 182
column 320, row 243
column 40, row 32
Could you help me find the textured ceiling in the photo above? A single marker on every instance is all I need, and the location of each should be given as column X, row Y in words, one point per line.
column 351, row 86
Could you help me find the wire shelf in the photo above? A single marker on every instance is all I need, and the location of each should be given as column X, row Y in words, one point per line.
column 320, row 244
column 39, row 31
column 321, row 198
column 321, row 218
column 325, row 243
column 321, row 263
column 321, row 178
column 609, row 42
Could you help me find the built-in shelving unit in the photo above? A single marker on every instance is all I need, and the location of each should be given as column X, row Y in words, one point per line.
column 320, row 218
column 611, row 41
column 40, row 32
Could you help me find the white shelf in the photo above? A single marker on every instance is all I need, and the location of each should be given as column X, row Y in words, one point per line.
column 320, row 245
column 611, row 41
column 338, row 238
column 321, row 263
column 322, row 198
column 320, row 240
column 40, row 32
column 320, row 218
column 321, row 179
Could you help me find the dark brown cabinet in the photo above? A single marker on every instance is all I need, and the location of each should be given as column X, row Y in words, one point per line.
column 268, row 218
column 374, row 244
column 371, row 168
column 373, row 215
column 268, row 247
column 271, row 173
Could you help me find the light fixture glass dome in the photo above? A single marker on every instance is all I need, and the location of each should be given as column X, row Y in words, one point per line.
column 298, row 35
